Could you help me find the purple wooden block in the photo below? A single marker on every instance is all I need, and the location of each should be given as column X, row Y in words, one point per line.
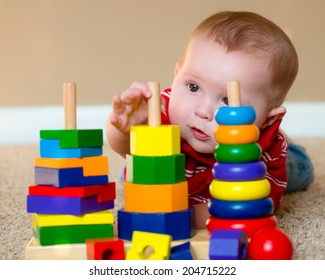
column 65, row 205
column 228, row 244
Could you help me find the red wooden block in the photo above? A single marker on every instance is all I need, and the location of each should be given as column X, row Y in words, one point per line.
column 105, row 249
column 105, row 192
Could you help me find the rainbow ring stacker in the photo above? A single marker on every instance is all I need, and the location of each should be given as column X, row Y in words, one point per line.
column 238, row 153
column 248, row 209
column 250, row 226
column 236, row 134
column 240, row 190
column 239, row 171
column 235, row 115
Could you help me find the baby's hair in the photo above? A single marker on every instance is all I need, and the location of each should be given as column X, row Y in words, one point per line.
column 252, row 33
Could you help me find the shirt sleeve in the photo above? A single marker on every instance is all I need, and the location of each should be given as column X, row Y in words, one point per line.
column 274, row 146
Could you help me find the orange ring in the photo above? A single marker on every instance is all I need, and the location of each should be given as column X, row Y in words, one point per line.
column 236, row 134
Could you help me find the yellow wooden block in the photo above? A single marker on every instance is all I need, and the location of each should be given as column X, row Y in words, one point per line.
column 155, row 141
column 142, row 241
column 92, row 166
column 47, row 220
column 162, row 198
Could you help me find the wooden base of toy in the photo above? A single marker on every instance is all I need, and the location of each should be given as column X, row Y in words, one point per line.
column 33, row 251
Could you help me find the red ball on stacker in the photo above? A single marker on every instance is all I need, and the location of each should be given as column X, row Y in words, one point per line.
column 270, row 244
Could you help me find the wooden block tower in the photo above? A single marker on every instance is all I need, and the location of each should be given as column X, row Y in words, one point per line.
column 72, row 195
column 155, row 189
column 240, row 190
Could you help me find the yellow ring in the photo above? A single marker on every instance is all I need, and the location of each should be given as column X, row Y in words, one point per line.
column 236, row 134
column 247, row 190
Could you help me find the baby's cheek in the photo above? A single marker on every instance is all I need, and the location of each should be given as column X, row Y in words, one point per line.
column 175, row 115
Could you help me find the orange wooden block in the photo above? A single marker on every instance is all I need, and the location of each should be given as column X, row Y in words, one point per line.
column 162, row 198
column 92, row 166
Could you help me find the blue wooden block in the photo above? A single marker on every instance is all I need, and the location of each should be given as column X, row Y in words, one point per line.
column 180, row 224
column 65, row 205
column 50, row 148
column 249, row 209
column 228, row 245
column 181, row 252
column 66, row 177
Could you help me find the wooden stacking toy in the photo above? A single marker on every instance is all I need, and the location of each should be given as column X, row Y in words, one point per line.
column 155, row 189
column 239, row 190
column 72, row 194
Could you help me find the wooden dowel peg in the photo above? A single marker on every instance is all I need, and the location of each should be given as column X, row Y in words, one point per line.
column 70, row 101
column 233, row 91
column 154, row 114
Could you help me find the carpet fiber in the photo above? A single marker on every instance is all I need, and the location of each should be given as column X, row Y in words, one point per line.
column 301, row 215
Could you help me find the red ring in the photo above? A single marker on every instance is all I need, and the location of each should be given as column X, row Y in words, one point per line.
column 250, row 226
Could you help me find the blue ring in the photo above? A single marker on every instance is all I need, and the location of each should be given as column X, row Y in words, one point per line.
column 235, row 115
column 249, row 209
column 248, row 171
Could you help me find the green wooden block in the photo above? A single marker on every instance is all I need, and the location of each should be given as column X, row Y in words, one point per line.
column 155, row 169
column 72, row 234
column 75, row 138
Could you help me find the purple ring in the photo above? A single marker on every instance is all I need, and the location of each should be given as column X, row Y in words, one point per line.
column 247, row 171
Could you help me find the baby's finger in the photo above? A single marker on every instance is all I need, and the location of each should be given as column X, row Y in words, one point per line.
column 118, row 105
column 142, row 87
column 132, row 96
column 115, row 121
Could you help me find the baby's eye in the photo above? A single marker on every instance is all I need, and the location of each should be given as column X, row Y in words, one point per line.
column 225, row 101
column 193, row 87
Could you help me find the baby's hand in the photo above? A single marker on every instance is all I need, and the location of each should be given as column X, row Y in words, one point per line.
column 131, row 107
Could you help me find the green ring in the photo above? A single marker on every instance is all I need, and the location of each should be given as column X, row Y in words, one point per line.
column 238, row 153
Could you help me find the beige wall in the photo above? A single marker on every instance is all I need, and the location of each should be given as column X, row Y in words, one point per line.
column 105, row 45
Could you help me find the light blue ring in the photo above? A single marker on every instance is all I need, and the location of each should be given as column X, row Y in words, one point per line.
column 235, row 115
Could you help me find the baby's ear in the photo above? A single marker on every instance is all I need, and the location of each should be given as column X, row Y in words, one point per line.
column 177, row 67
column 274, row 115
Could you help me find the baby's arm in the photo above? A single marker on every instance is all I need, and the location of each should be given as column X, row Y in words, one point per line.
column 130, row 108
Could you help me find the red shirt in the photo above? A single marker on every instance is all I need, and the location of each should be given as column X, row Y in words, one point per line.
column 198, row 167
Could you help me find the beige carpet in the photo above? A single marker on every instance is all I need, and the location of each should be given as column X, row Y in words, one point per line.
column 301, row 215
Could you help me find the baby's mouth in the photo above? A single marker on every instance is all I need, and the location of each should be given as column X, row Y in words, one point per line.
column 199, row 134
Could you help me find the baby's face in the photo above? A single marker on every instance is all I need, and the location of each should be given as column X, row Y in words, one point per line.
column 200, row 88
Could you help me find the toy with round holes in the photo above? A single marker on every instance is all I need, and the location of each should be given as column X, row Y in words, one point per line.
column 240, row 190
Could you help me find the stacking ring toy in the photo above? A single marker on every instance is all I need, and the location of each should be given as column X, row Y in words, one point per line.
column 250, row 226
column 235, row 115
column 238, row 153
column 242, row 190
column 236, row 134
column 249, row 209
column 239, row 171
